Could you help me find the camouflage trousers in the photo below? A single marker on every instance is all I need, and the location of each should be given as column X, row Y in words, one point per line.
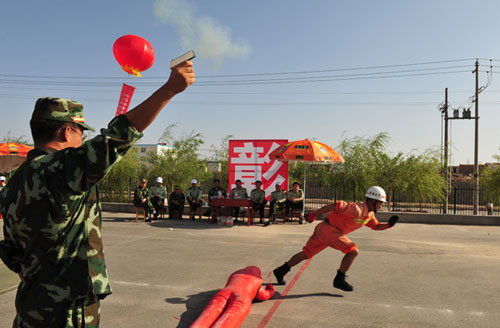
column 76, row 314
column 157, row 203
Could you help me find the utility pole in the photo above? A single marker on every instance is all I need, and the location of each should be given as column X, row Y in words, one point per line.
column 446, row 150
column 476, row 144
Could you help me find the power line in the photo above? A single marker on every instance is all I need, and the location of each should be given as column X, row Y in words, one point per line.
column 319, row 79
column 111, row 82
column 248, row 75
column 364, row 76
column 344, row 69
column 278, row 103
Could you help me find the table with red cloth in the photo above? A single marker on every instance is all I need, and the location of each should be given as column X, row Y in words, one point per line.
column 217, row 203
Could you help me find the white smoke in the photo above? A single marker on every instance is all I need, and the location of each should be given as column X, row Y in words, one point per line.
column 207, row 37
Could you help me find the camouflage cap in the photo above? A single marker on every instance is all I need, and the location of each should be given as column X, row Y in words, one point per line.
column 60, row 109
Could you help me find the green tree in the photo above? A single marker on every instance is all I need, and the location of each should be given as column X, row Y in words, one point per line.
column 497, row 157
column 391, row 173
column 367, row 163
column 490, row 181
column 179, row 165
column 423, row 173
column 122, row 179
column 354, row 177
column 221, row 155
column 20, row 140
column 296, row 172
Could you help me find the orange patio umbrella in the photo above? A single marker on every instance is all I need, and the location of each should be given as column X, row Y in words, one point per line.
column 307, row 151
column 12, row 155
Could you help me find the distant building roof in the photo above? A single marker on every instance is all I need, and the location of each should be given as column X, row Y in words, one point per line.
column 162, row 145
column 466, row 168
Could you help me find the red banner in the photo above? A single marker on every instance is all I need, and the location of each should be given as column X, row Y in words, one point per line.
column 249, row 161
column 125, row 98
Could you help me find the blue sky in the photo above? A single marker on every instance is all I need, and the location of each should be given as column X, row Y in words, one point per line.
column 64, row 49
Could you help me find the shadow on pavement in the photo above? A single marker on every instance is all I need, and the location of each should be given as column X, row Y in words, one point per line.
column 311, row 295
column 184, row 223
column 195, row 304
column 187, row 224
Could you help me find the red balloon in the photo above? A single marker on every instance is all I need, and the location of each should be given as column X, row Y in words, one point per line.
column 133, row 53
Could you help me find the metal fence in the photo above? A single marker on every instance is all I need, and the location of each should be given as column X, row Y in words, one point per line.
column 460, row 200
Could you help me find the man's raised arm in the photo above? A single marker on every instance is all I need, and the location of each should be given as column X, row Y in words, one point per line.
column 144, row 114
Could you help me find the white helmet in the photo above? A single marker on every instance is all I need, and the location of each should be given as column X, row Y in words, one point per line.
column 159, row 180
column 377, row 193
column 194, row 181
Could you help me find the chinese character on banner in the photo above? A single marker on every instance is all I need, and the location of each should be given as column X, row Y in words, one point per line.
column 249, row 161
column 125, row 98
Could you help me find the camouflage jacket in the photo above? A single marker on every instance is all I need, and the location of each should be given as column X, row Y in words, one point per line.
column 52, row 219
column 197, row 194
column 158, row 191
column 214, row 193
column 139, row 195
column 174, row 197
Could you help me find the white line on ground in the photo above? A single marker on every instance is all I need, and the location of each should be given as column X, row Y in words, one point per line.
column 143, row 284
column 8, row 289
column 414, row 308
column 140, row 284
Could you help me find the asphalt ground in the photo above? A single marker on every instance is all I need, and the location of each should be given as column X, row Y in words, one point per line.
column 414, row 275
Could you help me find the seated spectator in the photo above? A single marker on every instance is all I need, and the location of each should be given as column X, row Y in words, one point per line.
column 176, row 203
column 141, row 199
column 489, row 207
column 216, row 192
column 239, row 192
column 276, row 203
column 258, row 197
column 295, row 200
column 194, row 198
column 158, row 197
column 2, row 182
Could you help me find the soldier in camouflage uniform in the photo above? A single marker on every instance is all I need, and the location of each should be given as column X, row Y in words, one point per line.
column 295, row 201
column 276, row 203
column 141, row 199
column 176, row 203
column 238, row 192
column 216, row 192
column 258, row 197
column 52, row 213
column 194, row 197
column 158, row 196
column 2, row 182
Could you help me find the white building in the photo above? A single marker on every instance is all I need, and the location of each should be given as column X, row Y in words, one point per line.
column 158, row 149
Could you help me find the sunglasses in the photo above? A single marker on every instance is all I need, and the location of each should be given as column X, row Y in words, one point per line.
column 82, row 133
